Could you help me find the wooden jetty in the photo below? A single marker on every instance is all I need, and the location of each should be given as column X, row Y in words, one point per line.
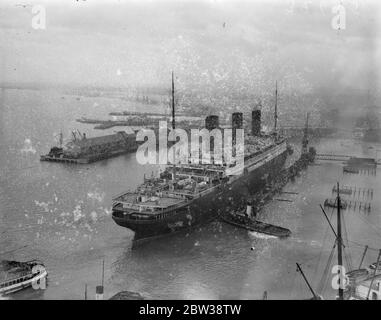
column 351, row 161
column 332, row 157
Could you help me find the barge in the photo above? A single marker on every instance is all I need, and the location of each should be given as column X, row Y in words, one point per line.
column 83, row 150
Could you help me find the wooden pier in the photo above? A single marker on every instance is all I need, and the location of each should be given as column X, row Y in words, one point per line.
column 332, row 157
column 343, row 158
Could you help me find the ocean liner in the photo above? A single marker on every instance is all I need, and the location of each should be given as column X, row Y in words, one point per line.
column 188, row 195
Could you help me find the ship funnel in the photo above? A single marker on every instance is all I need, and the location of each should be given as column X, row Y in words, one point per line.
column 256, row 122
column 99, row 293
column 237, row 120
column 249, row 210
column 211, row 122
column 237, row 123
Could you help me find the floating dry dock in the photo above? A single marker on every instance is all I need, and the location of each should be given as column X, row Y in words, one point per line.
column 82, row 150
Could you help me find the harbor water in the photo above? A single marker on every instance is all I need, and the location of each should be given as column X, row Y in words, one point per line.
column 60, row 214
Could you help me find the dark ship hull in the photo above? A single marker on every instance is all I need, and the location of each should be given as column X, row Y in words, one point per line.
column 223, row 198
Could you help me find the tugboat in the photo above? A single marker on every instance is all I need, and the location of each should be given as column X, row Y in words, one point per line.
column 247, row 220
column 333, row 203
column 127, row 295
column 16, row 276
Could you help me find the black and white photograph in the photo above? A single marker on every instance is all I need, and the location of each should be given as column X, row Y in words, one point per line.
column 204, row 151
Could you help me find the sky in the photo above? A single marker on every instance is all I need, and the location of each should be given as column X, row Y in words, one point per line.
column 235, row 46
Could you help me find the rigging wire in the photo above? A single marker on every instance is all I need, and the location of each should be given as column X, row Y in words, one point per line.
column 375, row 229
column 10, row 251
column 347, row 254
column 321, row 251
column 358, row 244
column 348, row 259
column 324, row 278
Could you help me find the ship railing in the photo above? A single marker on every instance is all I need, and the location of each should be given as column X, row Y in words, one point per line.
column 158, row 216
column 183, row 195
column 119, row 198
column 151, row 212
column 20, row 278
column 146, row 217
column 207, row 190
column 140, row 207
column 116, row 198
column 198, row 167
column 149, row 208
column 265, row 155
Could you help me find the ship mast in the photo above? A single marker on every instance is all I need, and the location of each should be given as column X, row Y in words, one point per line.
column 339, row 242
column 173, row 126
column 339, row 245
column 305, row 137
column 61, row 139
column 276, row 107
column 173, row 104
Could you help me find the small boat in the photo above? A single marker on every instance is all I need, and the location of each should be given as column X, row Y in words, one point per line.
column 127, row 295
column 242, row 220
column 333, row 203
column 15, row 275
column 349, row 169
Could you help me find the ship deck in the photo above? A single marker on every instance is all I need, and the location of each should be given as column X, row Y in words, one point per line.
column 129, row 201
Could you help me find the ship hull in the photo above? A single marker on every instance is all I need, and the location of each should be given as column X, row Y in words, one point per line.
column 222, row 198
